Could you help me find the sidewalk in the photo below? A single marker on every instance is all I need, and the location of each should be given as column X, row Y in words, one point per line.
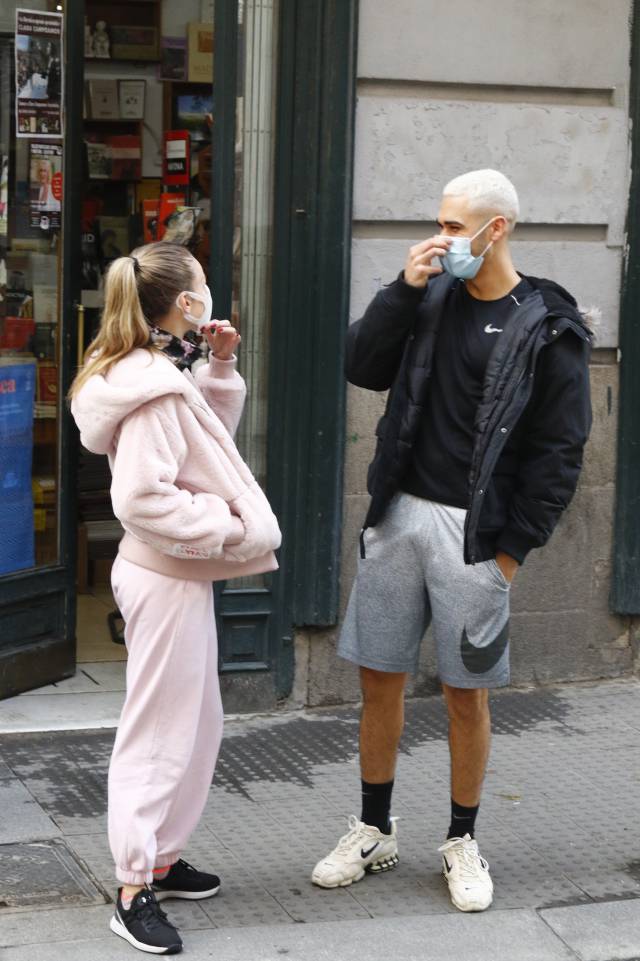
column 558, row 825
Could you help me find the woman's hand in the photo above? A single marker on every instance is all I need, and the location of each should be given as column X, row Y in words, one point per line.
column 222, row 339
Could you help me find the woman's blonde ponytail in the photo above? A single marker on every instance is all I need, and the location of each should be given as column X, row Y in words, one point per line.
column 139, row 289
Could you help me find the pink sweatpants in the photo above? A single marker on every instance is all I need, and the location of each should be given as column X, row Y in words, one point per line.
column 171, row 723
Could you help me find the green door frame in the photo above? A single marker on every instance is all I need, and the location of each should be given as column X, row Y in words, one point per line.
column 311, row 283
column 38, row 608
column 625, row 588
column 310, row 301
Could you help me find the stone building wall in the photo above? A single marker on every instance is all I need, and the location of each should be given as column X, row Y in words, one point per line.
column 540, row 92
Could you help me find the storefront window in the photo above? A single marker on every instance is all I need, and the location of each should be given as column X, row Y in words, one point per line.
column 31, row 198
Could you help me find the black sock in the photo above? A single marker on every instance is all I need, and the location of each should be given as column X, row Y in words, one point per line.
column 463, row 820
column 376, row 804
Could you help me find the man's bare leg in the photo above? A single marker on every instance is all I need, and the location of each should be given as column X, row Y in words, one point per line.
column 381, row 723
column 469, row 744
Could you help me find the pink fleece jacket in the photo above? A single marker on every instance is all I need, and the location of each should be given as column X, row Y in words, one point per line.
column 188, row 503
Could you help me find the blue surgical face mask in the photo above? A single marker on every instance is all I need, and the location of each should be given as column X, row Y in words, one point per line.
column 459, row 261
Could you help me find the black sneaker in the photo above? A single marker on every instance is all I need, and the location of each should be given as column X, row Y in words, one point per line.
column 145, row 925
column 183, row 881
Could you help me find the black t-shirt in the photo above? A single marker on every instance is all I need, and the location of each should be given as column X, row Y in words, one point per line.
column 444, row 445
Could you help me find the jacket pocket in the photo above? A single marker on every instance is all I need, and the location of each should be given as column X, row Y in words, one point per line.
column 262, row 533
column 380, row 432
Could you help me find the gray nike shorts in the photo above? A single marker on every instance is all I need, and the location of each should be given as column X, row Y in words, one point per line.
column 414, row 575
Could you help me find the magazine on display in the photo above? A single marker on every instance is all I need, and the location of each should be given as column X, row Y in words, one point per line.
column 45, row 185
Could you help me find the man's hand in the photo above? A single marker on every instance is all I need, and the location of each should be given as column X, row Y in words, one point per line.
column 222, row 339
column 418, row 268
column 507, row 565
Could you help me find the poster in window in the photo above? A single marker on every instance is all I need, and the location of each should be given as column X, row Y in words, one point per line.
column 39, row 81
column 4, row 194
column 45, row 185
column 17, row 397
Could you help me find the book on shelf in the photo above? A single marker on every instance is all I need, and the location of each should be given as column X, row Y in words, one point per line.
column 98, row 160
column 134, row 42
column 169, row 203
column 114, row 157
column 132, row 96
column 102, row 99
column 47, row 383
column 173, row 58
column 200, row 59
column 147, row 189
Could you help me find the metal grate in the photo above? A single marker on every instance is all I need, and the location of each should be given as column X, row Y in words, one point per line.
column 44, row 873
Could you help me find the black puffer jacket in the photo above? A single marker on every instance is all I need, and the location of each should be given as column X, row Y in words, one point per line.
column 531, row 426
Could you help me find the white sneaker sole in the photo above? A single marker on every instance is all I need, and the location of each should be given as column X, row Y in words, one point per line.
column 118, row 928
column 162, row 895
column 386, row 863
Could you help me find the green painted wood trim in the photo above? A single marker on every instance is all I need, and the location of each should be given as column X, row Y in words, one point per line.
column 311, row 279
column 625, row 587
column 71, row 294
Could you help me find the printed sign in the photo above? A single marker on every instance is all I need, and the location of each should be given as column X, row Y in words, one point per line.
column 45, row 185
column 39, row 80
column 177, row 158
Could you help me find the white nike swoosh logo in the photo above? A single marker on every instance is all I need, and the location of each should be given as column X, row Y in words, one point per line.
column 492, row 330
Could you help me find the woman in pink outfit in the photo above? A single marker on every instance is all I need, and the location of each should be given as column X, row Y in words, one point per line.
column 192, row 513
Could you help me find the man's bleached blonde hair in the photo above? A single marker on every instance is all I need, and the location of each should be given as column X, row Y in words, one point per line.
column 488, row 192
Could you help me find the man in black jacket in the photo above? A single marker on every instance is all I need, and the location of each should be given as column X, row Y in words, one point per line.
column 477, row 456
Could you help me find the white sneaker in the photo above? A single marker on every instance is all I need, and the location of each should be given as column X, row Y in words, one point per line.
column 363, row 849
column 467, row 874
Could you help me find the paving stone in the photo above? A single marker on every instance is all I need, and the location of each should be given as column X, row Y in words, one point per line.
column 512, row 935
column 5, row 771
column 61, row 924
column 22, row 818
column 599, row 932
